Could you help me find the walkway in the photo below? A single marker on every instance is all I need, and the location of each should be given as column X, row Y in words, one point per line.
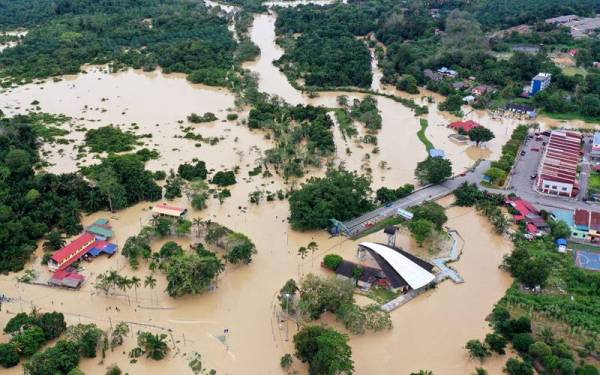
column 445, row 273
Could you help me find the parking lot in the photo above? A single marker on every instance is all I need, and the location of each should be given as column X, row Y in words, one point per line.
column 526, row 167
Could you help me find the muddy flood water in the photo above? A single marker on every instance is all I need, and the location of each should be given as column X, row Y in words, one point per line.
column 429, row 332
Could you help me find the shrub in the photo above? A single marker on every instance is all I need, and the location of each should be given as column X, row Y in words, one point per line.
column 53, row 324
column 232, row 116
column 522, row 341
column 9, row 356
column 109, row 139
column 29, row 341
column 224, row 178
column 206, row 117
column 113, row 370
column 496, row 342
column 192, row 171
column 332, row 261
column 517, row 367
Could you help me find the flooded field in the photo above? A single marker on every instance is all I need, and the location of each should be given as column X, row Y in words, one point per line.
column 428, row 333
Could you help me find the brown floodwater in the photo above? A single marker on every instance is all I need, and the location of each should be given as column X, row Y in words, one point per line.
column 429, row 332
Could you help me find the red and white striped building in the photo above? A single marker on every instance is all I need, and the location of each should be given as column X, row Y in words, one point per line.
column 557, row 174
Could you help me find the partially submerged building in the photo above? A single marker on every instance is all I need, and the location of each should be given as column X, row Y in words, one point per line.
column 92, row 242
column 464, row 126
column 557, row 174
column 163, row 209
column 403, row 271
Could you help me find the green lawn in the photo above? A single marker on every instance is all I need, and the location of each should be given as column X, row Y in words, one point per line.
column 381, row 295
column 421, row 134
column 394, row 220
column 584, row 247
column 571, row 116
column 594, row 181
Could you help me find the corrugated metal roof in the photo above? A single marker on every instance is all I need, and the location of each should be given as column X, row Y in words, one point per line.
column 415, row 275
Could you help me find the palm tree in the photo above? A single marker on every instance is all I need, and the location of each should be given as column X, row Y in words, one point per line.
column 54, row 241
column 150, row 281
column 302, row 252
column 313, row 247
column 154, row 346
column 136, row 283
column 197, row 222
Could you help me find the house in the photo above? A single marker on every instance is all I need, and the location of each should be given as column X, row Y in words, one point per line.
column 482, row 90
column 403, row 270
column 464, row 126
column 521, row 109
column 595, row 154
column 557, row 174
column 434, row 76
column 573, row 52
column 101, row 229
column 526, row 48
column 68, row 278
column 528, row 214
column 540, row 83
column 163, row 209
column 584, row 224
column 437, row 153
column 70, row 253
column 459, row 85
column 93, row 241
column 447, row 72
column 369, row 276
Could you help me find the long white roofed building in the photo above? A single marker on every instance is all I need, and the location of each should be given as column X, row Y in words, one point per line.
column 403, row 270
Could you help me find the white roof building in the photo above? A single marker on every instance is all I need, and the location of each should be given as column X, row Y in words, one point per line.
column 414, row 274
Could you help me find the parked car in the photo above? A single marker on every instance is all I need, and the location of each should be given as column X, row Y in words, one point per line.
column 534, row 176
column 522, row 153
column 534, row 149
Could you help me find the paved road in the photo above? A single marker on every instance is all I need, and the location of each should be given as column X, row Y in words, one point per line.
column 431, row 192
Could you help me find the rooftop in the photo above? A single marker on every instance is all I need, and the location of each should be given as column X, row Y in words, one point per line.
column 465, row 126
column 408, row 269
column 165, row 209
column 588, row 219
column 561, row 158
column 76, row 244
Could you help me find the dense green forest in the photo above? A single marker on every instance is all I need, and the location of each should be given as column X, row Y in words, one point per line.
column 33, row 204
column 179, row 36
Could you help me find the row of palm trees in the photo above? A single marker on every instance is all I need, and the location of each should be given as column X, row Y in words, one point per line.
column 112, row 280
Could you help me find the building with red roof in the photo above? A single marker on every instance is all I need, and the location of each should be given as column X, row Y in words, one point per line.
column 164, row 209
column 528, row 214
column 557, row 173
column 464, row 126
column 71, row 252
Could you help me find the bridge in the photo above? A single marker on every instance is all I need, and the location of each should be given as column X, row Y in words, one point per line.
column 355, row 226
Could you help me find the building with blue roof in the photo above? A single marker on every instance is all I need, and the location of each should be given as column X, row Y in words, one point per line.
column 437, row 153
column 595, row 154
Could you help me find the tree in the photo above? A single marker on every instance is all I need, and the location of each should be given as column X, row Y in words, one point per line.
column 332, row 261
column 286, row 362
column 54, row 241
column 496, row 342
column 480, row 134
column 587, row 369
column 29, row 341
column 59, row 359
column 340, row 195
column 324, row 294
column 224, row 178
column 560, row 229
column 19, row 322
column 9, row 356
column 313, row 248
column 241, row 253
column 53, row 324
column 408, row 83
column 477, row 349
column 116, row 337
column 422, row 372
column 421, row 230
column 522, row 341
column 517, row 367
column 191, row 273
column 173, row 187
column 153, row 345
column 170, row 249
column 326, row 351
column 286, row 296
column 113, row 370
column 433, row 170
column 497, row 175
column 432, row 212
column 136, row 282
column 192, row 171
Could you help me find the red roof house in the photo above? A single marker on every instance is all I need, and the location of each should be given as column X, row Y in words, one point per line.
column 71, row 252
column 464, row 126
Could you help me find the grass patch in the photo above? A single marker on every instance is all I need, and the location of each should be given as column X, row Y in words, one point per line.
column 573, row 70
column 381, row 295
column 394, row 220
column 346, row 123
column 594, row 181
column 571, row 116
column 421, row 134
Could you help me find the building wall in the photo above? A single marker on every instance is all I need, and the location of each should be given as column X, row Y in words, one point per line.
column 556, row 188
